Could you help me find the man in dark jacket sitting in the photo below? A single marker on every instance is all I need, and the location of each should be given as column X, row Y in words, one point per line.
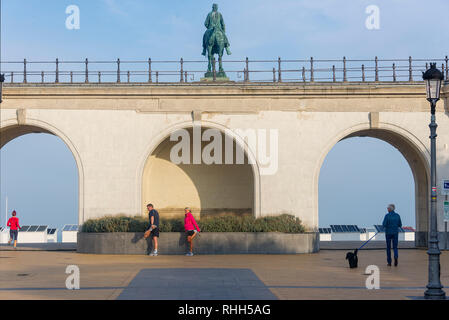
column 392, row 222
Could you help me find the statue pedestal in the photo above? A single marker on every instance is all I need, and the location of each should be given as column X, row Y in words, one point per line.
column 220, row 76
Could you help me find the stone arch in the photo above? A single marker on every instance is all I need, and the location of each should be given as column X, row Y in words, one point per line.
column 9, row 130
column 415, row 153
column 162, row 137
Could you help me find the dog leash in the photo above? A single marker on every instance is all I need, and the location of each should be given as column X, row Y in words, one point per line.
column 368, row 240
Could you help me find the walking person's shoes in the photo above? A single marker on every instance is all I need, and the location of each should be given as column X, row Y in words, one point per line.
column 389, row 264
column 153, row 254
column 395, row 262
column 189, row 254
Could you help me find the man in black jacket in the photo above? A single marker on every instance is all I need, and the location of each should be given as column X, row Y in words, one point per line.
column 154, row 227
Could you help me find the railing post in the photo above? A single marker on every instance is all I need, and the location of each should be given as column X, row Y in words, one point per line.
column 185, row 76
column 12, row 77
column 303, row 74
column 279, row 70
column 410, row 71
column 376, row 76
column 182, row 70
column 213, row 70
column 71, row 76
column 118, row 70
column 24, row 70
column 86, row 80
column 42, row 76
column 149, row 71
column 394, row 72
column 99, row 76
column 344, row 70
column 447, row 71
column 334, row 77
column 57, row 71
column 311, row 70
column 247, row 70
column 157, row 76
column 128, row 75
column 274, row 74
column 363, row 73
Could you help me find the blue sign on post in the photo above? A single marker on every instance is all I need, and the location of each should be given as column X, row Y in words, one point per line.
column 445, row 189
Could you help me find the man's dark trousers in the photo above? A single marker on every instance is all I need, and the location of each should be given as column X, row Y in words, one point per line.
column 392, row 238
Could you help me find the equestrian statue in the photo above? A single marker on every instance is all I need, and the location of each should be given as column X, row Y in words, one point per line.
column 215, row 41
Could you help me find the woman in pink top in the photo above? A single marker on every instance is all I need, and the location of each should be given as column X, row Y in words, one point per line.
column 13, row 224
column 191, row 228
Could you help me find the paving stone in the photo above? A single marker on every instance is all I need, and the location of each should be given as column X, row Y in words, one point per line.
column 188, row 283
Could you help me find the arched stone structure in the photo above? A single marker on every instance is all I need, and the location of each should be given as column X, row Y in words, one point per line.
column 415, row 153
column 214, row 189
column 10, row 130
column 114, row 128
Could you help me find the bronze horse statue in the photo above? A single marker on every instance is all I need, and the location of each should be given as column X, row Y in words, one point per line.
column 215, row 40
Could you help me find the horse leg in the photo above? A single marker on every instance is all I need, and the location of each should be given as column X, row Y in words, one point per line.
column 209, row 56
column 220, row 59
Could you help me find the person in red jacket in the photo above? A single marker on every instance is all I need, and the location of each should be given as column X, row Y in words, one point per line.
column 13, row 224
column 191, row 228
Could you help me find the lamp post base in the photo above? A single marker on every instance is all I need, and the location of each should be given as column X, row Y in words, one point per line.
column 434, row 294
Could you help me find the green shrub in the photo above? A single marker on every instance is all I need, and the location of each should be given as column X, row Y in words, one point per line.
column 282, row 223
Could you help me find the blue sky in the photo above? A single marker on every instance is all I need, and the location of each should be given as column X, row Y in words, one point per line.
column 137, row 29
column 259, row 29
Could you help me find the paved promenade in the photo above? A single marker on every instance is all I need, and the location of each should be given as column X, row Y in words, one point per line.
column 325, row 275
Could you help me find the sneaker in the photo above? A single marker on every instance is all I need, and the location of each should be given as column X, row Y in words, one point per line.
column 396, row 262
column 189, row 254
column 389, row 264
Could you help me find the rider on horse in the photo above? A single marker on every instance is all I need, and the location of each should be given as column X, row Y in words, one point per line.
column 214, row 24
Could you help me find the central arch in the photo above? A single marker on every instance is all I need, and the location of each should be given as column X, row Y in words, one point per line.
column 235, row 189
column 414, row 152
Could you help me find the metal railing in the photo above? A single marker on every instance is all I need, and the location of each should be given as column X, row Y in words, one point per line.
column 184, row 71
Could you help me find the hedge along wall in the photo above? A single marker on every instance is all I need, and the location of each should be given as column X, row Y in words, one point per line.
column 282, row 223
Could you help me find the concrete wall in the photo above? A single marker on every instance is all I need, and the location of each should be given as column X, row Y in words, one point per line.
column 355, row 236
column 113, row 129
column 32, row 237
column 69, row 236
column 206, row 243
column 422, row 237
column 346, row 236
column 325, row 237
column 4, row 236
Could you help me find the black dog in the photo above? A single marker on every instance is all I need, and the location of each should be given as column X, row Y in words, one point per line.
column 352, row 258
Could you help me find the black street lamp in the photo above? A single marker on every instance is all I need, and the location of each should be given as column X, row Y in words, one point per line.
column 433, row 78
column 2, row 79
